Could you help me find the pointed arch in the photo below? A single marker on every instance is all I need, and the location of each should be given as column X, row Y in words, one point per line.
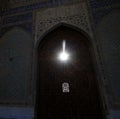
column 87, row 40
column 62, row 24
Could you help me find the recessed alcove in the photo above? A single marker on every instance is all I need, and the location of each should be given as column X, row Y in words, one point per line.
column 15, row 67
column 83, row 100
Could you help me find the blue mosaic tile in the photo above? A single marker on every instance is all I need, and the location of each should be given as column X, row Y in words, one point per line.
column 27, row 8
column 114, row 114
column 34, row 6
column 26, row 26
column 16, row 113
column 103, row 3
column 98, row 15
column 17, row 18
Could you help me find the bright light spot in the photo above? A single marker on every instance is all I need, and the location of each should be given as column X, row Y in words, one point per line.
column 63, row 56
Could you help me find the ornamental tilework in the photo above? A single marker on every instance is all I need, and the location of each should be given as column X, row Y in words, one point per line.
column 99, row 14
column 101, row 8
column 25, row 8
column 33, row 5
column 20, row 20
column 103, row 3
column 27, row 26
column 76, row 15
column 17, row 18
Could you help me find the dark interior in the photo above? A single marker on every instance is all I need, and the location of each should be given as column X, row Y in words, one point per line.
column 82, row 99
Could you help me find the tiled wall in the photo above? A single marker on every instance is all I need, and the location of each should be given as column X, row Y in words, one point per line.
column 101, row 8
column 16, row 113
column 15, row 66
column 108, row 35
column 105, row 23
column 24, row 15
column 36, row 5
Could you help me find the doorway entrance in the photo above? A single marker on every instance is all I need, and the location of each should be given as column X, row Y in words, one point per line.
column 67, row 87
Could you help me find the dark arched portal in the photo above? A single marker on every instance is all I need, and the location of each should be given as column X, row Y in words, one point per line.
column 66, row 89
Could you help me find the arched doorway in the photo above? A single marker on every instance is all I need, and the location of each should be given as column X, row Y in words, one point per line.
column 67, row 89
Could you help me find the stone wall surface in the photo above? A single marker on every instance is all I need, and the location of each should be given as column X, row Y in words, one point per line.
column 23, row 23
column 15, row 67
column 108, row 35
column 16, row 113
column 105, row 24
column 74, row 15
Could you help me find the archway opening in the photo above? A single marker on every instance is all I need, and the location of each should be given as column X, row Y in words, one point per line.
column 67, row 89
